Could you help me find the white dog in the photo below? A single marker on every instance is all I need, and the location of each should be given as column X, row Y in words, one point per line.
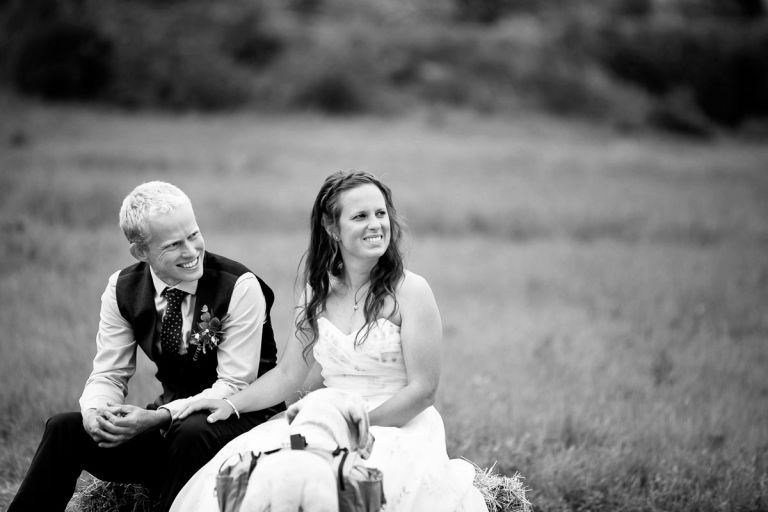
column 292, row 480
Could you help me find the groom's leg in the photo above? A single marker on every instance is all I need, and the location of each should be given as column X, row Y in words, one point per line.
column 66, row 450
column 52, row 476
column 193, row 441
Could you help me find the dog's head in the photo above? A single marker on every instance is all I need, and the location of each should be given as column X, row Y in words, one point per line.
column 342, row 414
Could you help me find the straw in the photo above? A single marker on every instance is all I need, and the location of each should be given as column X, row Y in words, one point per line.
column 99, row 496
column 502, row 493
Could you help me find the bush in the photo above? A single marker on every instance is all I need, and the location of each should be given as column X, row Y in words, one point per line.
column 719, row 8
column 61, row 60
column 504, row 68
column 677, row 113
column 491, row 11
column 174, row 56
column 595, row 58
column 307, row 8
column 454, row 68
column 632, row 8
column 483, row 11
column 181, row 78
column 332, row 93
column 333, row 67
column 251, row 42
column 725, row 67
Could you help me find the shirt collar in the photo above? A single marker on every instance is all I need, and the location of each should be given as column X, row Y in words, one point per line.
column 186, row 286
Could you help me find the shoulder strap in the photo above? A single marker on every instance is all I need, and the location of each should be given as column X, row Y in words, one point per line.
column 254, row 460
column 344, row 453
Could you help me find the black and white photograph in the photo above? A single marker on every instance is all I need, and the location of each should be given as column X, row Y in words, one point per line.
column 384, row 256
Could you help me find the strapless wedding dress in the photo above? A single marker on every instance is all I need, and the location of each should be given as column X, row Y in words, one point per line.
column 418, row 475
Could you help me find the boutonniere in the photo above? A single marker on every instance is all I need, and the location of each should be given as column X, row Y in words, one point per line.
column 209, row 334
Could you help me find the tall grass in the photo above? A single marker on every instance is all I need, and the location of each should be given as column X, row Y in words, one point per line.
column 602, row 296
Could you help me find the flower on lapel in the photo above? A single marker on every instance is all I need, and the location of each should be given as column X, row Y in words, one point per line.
column 209, row 334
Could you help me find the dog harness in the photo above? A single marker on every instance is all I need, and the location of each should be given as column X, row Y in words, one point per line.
column 360, row 488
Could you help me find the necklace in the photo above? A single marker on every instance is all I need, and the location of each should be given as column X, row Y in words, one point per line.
column 356, row 306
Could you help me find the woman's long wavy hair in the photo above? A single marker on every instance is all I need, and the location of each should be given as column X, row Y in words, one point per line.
column 323, row 258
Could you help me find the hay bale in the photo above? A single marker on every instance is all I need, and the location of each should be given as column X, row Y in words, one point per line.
column 502, row 493
column 100, row 496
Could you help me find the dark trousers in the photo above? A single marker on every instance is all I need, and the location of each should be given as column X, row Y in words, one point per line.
column 162, row 463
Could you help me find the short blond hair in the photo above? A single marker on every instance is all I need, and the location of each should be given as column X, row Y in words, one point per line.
column 144, row 201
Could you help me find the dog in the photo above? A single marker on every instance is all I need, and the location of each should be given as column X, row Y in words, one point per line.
column 305, row 479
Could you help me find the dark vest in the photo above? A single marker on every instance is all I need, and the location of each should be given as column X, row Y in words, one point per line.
column 180, row 375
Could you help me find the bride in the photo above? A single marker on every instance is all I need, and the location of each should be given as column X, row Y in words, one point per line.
column 363, row 325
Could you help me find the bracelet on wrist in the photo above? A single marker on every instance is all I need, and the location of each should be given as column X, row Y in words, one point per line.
column 237, row 413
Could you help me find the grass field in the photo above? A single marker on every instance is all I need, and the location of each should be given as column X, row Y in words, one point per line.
column 604, row 295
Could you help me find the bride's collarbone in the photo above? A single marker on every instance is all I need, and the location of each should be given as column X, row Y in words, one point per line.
column 351, row 322
column 347, row 312
column 347, row 322
column 342, row 302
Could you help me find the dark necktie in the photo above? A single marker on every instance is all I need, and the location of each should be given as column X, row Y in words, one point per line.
column 170, row 335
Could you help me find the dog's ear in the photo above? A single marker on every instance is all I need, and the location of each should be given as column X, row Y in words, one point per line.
column 358, row 418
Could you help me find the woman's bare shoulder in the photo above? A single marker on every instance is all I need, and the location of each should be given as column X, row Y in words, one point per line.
column 413, row 287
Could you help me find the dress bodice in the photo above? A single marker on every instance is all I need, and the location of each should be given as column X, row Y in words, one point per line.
column 374, row 369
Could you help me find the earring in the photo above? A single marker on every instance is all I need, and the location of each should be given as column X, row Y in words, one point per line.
column 335, row 237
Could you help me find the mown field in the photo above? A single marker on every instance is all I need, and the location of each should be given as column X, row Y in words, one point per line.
column 603, row 295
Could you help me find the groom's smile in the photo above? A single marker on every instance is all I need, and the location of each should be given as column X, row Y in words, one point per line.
column 191, row 264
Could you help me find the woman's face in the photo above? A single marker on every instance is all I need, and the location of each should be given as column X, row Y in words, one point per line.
column 363, row 225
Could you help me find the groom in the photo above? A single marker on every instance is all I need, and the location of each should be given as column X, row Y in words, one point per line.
column 202, row 318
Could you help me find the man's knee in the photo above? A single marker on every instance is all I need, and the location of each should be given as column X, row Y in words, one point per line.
column 64, row 424
column 192, row 431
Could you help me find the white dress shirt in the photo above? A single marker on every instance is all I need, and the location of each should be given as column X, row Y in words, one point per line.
column 238, row 354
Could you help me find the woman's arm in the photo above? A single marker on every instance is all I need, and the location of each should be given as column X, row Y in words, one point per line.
column 313, row 381
column 421, row 334
column 271, row 388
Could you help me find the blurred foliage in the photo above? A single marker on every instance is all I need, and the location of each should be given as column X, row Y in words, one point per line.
column 725, row 68
column 53, row 49
column 687, row 66
column 62, row 60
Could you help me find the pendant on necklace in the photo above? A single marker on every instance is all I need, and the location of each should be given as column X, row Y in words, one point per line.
column 355, row 307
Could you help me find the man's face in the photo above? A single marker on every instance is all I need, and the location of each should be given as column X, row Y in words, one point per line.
column 176, row 246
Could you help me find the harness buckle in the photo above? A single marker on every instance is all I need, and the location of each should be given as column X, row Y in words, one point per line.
column 298, row 442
